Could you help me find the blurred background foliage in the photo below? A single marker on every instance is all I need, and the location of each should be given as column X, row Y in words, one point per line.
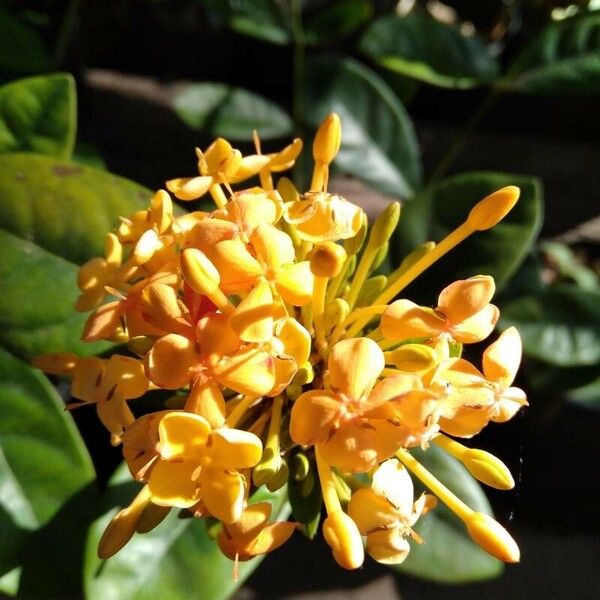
column 155, row 77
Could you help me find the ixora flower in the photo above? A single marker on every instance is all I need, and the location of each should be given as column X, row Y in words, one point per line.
column 289, row 359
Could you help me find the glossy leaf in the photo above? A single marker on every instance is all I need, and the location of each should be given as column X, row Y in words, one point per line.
column 563, row 59
column 22, row 49
column 448, row 554
column 265, row 20
column 559, row 326
column 39, row 114
column 588, row 395
column 335, row 20
column 43, row 461
column 497, row 252
column 53, row 217
column 420, row 47
column 177, row 560
column 379, row 144
column 234, row 113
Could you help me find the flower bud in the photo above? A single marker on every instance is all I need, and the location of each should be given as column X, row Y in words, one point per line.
column 141, row 344
column 199, row 272
column 488, row 469
column 123, row 525
column 492, row 537
column 385, row 225
column 414, row 358
column 327, row 259
column 343, row 537
column 300, row 466
column 493, row 208
column 380, row 256
column 328, row 139
column 371, row 288
column 152, row 516
column 354, row 244
column 335, row 313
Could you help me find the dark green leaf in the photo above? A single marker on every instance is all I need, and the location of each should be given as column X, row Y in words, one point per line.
column 234, row 113
column 420, row 47
column 588, row 395
column 563, row 59
column 265, row 20
column 42, row 458
column 306, row 507
column 22, row 50
column 568, row 267
column 559, row 326
column 448, row 554
column 177, row 560
column 39, row 114
column 335, row 20
column 378, row 141
column 53, row 216
column 497, row 252
column 552, row 381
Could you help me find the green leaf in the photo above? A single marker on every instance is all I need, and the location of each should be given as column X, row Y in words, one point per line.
column 22, row 49
column 177, row 560
column 234, row 113
column 43, row 461
column 266, row 20
column 335, row 20
column 448, row 554
column 563, row 59
column 559, row 326
column 420, row 47
column 497, row 252
column 379, row 144
column 568, row 267
column 39, row 114
column 53, row 217
column 588, row 395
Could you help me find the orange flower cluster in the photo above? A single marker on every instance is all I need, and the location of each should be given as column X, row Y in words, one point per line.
column 288, row 359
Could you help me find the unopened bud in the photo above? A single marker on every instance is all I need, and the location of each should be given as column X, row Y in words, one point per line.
column 343, row 537
column 414, row 358
column 328, row 139
column 488, row 469
column 385, row 225
column 380, row 256
column 335, row 313
column 287, row 190
column 327, row 259
column 493, row 208
column 56, row 363
column 145, row 247
column 152, row 516
column 199, row 272
column 305, row 374
column 371, row 289
column 492, row 537
column 410, row 259
column 121, row 529
column 280, row 478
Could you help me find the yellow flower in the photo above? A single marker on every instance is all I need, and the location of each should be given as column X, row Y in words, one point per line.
column 197, row 464
column 463, row 313
column 350, row 422
column 252, row 535
column 385, row 512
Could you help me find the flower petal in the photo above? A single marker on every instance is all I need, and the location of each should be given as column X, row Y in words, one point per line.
column 183, row 436
column 404, row 319
column 273, row 247
column 314, row 417
column 478, row 327
column 234, row 448
column 295, row 339
column 252, row 320
column 171, row 484
column 355, row 365
column 206, row 400
column 466, row 297
column 371, row 511
column 391, row 479
column 388, row 546
column 501, row 359
column 248, row 372
column 295, row 283
column 223, row 493
column 189, row 188
column 238, row 269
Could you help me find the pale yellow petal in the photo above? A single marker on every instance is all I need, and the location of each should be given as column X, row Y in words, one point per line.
column 252, row 320
column 171, row 361
column 314, row 417
column 404, row 319
column 248, row 372
column 501, row 359
column 354, row 366
column 171, row 484
column 478, row 327
column 189, row 188
column 223, row 493
column 371, row 511
column 388, row 546
column 234, row 448
column 183, row 436
column 295, row 339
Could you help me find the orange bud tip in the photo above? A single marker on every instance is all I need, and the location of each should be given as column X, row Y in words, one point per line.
column 492, row 537
column 493, row 208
